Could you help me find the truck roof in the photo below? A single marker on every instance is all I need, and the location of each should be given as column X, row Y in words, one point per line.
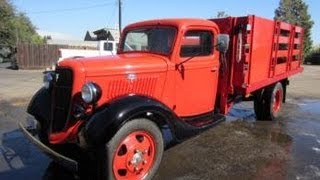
column 178, row 22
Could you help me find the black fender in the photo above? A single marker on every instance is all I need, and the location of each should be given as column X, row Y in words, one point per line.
column 40, row 105
column 105, row 122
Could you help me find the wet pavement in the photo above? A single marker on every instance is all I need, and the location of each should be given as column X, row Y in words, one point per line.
column 248, row 149
column 18, row 158
column 236, row 149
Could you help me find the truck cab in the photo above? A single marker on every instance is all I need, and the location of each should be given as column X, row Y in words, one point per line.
column 170, row 79
column 190, row 62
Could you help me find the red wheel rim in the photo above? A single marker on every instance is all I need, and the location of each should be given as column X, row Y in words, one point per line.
column 277, row 101
column 134, row 156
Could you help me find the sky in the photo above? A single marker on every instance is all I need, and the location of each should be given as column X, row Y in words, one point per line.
column 70, row 19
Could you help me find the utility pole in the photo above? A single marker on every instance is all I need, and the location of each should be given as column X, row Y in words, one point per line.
column 120, row 15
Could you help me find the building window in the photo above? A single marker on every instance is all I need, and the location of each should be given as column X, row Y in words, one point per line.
column 108, row 46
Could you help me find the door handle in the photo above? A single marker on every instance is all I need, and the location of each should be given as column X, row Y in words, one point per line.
column 214, row 69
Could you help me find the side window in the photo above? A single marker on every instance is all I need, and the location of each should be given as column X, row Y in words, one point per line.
column 196, row 43
column 108, row 46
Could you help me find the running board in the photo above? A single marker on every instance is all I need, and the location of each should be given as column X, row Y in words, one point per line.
column 206, row 120
column 191, row 126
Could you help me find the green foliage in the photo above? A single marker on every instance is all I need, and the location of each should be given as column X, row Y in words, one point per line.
column 314, row 56
column 296, row 12
column 16, row 27
column 6, row 12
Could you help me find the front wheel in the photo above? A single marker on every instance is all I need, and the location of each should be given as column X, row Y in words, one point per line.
column 135, row 151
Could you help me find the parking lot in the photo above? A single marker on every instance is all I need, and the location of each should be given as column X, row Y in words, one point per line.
column 240, row 148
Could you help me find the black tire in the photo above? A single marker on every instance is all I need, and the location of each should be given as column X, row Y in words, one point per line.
column 268, row 102
column 259, row 105
column 115, row 146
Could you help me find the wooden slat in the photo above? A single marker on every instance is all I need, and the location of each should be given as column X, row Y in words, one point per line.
column 297, row 41
column 298, row 29
column 285, row 26
column 283, row 40
column 296, row 52
column 280, row 68
column 283, row 53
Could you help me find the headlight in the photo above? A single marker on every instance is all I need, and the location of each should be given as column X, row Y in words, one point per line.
column 47, row 80
column 90, row 92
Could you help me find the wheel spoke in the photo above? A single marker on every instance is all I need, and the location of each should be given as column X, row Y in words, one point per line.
column 130, row 142
column 120, row 162
column 145, row 144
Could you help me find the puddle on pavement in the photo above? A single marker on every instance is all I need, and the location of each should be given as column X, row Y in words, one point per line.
column 303, row 124
column 242, row 111
column 311, row 106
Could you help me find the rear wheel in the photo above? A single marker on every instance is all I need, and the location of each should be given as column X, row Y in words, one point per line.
column 268, row 102
column 135, row 152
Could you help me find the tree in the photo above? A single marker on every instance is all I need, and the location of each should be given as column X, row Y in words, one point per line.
column 6, row 13
column 16, row 27
column 296, row 12
column 314, row 56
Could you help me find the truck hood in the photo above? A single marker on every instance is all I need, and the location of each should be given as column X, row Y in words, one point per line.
column 120, row 64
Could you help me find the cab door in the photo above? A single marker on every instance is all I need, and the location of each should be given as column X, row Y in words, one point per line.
column 196, row 73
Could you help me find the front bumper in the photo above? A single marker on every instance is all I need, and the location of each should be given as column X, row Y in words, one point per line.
column 64, row 161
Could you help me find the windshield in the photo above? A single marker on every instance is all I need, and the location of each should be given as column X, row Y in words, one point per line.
column 151, row 39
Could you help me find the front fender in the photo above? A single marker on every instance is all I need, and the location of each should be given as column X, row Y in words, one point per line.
column 101, row 127
column 40, row 105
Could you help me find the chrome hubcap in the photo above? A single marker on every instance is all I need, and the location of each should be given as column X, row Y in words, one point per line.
column 137, row 158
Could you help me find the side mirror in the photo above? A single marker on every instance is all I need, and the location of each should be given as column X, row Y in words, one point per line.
column 223, row 42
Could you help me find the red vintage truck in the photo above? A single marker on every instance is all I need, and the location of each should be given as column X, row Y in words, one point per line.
column 170, row 76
